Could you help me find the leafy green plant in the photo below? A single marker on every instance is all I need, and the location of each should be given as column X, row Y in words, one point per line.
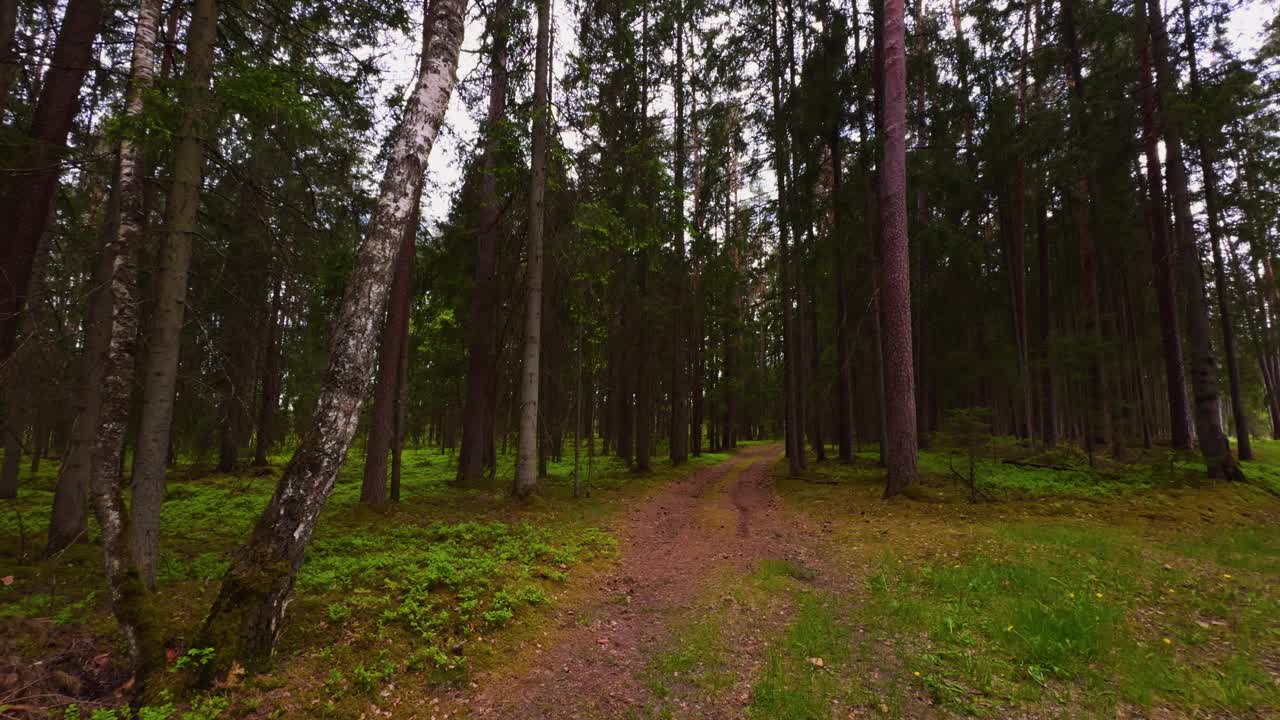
column 338, row 612
column 193, row 658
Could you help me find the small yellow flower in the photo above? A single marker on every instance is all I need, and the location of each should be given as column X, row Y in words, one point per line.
column 1098, row 595
column 1226, row 576
column 916, row 673
column 1167, row 641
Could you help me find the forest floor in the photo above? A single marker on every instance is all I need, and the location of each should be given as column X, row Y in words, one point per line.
column 722, row 589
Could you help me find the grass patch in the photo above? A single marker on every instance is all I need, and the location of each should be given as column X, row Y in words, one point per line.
column 807, row 674
column 1065, row 613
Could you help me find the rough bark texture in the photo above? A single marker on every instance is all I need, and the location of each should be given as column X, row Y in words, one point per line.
column 26, row 209
column 395, row 333
column 1204, row 363
column 164, row 339
column 1209, row 183
column 1161, row 267
column 527, row 458
column 128, row 597
column 895, row 290
column 247, row 615
column 477, row 412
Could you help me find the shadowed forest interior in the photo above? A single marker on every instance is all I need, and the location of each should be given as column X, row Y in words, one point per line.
column 639, row 359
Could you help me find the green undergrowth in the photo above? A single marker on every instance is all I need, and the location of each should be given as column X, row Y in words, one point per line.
column 807, row 674
column 1155, row 599
column 420, row 589
column 1007, row 469
column 1068, row 614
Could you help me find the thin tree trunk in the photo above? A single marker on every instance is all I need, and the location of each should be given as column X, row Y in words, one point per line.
column 477, row 411
column 1204, row 363
column 794, row 432
column 1048, row 399
column 247, row 616
column 526, row 462
column 69, row 521
column 106, row 482
column 817, row 438
column 395, row 333
column 679, row 430
column 1162, row 269
column 270, row 380
column 26, row 211
column 160, row 374
column 1018, row 246
column 895, row 296
column 844, row 360
column 397, row 436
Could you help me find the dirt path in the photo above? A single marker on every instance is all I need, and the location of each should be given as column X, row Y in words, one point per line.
column 672, row 547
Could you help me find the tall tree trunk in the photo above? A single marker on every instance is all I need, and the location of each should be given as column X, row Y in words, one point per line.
column 697, row 413
column 1162, row 269
column 1209, row 182
column 844, row 362
column 679, row 430
column 895, row 290
column 395, row 333
column 247, row 616
column 1048, row 398
column 1084, row 203
column 106, row 482
column 794, row 432
column 160, row 374
column 1204, row 363
column 69, row 521
column 271, row 371
column 26, row 209
column 644, row 380
column 1018, row 240
column 526, row 461
column 477, row 411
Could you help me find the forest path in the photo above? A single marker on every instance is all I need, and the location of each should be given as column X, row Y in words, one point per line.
column 677, row 549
